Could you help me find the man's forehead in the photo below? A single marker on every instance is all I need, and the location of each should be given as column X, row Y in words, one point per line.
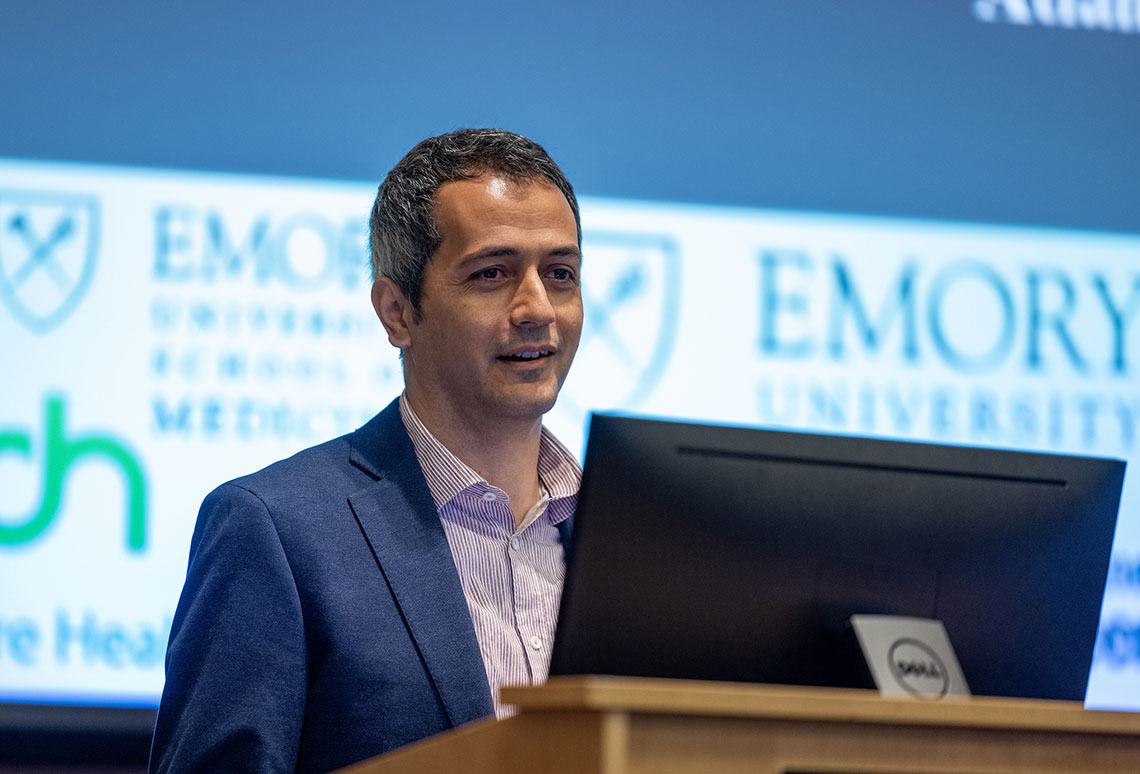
column 471, row 203
column 497, row 186
column 496, row 183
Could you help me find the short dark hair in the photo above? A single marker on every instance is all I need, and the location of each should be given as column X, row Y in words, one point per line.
column 403, row 234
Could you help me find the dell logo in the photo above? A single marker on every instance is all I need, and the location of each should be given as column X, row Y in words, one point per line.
column 918, row 669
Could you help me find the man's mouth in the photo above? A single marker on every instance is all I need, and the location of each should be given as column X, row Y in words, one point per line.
column 527, row 356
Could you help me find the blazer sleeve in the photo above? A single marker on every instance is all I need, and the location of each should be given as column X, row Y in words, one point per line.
column 236, row 664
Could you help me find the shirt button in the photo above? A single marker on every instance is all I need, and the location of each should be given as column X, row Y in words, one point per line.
column 515, row 543
column 488, row 497
column 536, row 642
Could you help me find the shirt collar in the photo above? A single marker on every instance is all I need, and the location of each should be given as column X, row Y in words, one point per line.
column 447, row 475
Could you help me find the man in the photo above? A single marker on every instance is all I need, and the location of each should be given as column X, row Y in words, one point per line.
column 379, row 588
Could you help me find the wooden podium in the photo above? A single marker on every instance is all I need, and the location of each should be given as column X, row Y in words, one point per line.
column 614, row 725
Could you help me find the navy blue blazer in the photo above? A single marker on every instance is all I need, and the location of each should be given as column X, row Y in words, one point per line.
column 322, row 621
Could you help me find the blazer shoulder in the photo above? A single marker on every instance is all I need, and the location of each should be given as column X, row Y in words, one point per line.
column 313, row 475
column 329, row 472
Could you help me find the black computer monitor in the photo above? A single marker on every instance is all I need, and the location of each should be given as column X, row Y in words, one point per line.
column 729, row 553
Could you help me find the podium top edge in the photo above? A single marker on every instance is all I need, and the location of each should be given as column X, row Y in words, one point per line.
column 632, row 695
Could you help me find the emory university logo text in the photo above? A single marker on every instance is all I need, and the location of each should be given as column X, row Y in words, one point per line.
column 48, row 246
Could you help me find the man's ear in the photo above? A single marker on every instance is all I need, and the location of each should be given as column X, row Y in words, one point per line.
column 394, row 310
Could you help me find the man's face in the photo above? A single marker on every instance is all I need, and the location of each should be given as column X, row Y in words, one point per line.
column 501, row 310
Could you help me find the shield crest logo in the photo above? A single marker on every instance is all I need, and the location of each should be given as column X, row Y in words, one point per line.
column 631, row 302
column 48, row 248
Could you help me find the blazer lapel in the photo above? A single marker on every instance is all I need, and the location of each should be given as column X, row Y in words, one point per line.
column 401, row 524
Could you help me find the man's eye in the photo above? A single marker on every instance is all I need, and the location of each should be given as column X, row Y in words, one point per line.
column 488, row 273
column 562, row 274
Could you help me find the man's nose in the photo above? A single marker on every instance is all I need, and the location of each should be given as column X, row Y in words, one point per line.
column 531, row 304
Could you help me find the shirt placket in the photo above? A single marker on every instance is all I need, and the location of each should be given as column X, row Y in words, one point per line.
column 530, row 596
column 518, row 665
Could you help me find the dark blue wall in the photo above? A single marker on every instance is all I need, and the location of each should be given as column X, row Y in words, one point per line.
column 912, row 108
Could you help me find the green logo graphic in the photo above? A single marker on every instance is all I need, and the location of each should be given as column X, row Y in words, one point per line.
column 60, row 453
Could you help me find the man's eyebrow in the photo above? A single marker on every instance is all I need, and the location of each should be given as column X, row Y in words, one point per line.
column 567, row 251
column 501, row 251
column 492, row 251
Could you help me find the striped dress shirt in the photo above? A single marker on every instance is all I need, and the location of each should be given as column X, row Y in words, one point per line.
column 511, row 576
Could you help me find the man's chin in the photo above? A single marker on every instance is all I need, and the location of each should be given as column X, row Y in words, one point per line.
column 527, row 404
